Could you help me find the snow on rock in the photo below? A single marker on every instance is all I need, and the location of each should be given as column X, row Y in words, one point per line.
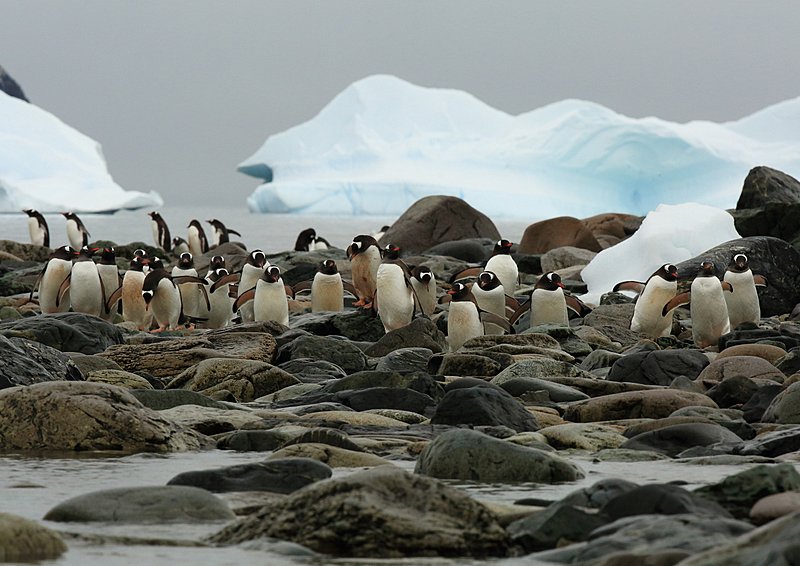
column 383, row 143
column 49, row 166
column 669, row 234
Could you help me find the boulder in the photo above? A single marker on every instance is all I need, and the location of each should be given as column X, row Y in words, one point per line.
column 341, row 352
column 276, row 475
column 160, row 399
column 246, row 379
column 672, row 440
column 659, row 367
column 764, row 185
column 651, row 404
column 23, row 540
column 582, row 436
column 769, row 205
column 785, row 407
column 352, row 324
column 558, row 524
column 26, row 362
column 546, row 235
column 470, row 455
column 473, row 250
column 483, row 406
column 142, row 506
column 766, row 352
column 772, row 444
column 405, row 360
column 421, row 333
column 774, row 506
column 118, row 377
column 614, row 321
column 566, row 256
column 68, row 332
column 211, row 420
column 332, row 456
column 436, row 219
column 750, row 367
column 660, row 499
column 66, row 415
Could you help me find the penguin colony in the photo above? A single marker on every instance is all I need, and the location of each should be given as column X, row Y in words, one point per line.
column 480, row 300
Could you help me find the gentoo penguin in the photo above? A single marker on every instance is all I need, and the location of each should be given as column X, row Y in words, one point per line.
column 217, row 262
column 190, row 293
column 268, row 296
column 465, row 319
column 37, row 228
column 251, row 272
column 109, row 276
column 657, row 291
column 549, row 303
column 179, row 246
column 160, row 293
column 220, row 312
column 743, row 305
column 308, row 241
column 423, row 282
column 504, row 267
column 491, row 297
column 221, row 234
column 86, row 288
column 327, row 288
column 56, row 271
column 160, row 231
column 134, row 309
column 394, row 297
column 77, row 234
column 707, row 305
column 365, row 257
column 198, row 245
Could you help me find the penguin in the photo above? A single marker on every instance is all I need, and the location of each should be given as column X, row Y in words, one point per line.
column 548, row 303
column 85, row 285
column 77, row 234
column 217, row 262
column 394, row 297
column 423, row 281
column 109, row 276
column 134, row 309
column 327, row 288
column 160, row 232
column 179, row 246
column 198, row 245
column 491, row 297
column 219, row 313
column 504, row 267
column 190, row 293
column 55, row 272
column 37, row 228
column 268, row 296
column 707, row 306
column 465, row 319
column 365, row 258
column 162, row 297
column 742, row 303
column 658, row 290
column 251, row 272
column 221, row 234
column 308, row 241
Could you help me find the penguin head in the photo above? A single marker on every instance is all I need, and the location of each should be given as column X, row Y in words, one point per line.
column 272, row 274
column 707, row 269
column 195, row 223
column 360, row 244
column 177, row 241
column 86, row 253
column 422, row 273
column 217, row 262
column 458, row 292
column 139, row 252
column 667, row 272
column 391, row 252
column 502, row 247
column 137, row 264
column 156, row 263
column 328, row 267
column 218, row 274
column 257, row 258
column 217, row 224
column 487, row 281
column 64, row 252
column 154, row 215
column 186, row 261
column 549, row 282
column 108, row 256
column 739, row 263
column 30, row 212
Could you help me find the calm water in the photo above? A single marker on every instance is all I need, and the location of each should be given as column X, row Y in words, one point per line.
column 270, row 232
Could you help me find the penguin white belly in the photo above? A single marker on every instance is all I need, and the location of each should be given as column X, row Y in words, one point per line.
column 166, row 304
column 156, row 238
column 647, row 318
column 709, row 311
column 109, row 276
column 74, row 235
column 463, row 323
column 493, row 301
column 426, row 295
column 215, row 237
column 190, row 293
column 507, row 272
column 394, row 297
column 36, row 232
column 327, row 293
column 548, row 307
column 134, row 309
column 250, row 276
column 195, row 246
column 86, row 294
column 743, row 305
column 57, row 270
column 221, row 308
column 270, row 302
column 316, row 246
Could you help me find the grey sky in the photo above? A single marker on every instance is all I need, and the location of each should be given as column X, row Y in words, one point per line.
column 180, row 91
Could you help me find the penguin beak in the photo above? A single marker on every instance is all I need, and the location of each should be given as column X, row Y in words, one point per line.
column 560, row 284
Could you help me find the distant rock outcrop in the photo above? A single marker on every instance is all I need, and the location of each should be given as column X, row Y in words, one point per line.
column 10, row 86
column 769, row 205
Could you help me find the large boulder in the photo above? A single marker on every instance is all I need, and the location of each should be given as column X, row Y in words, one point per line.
column 436, row 219
column 68, row 332
column 379, row 513
column 543, row 236
column 769, row 205
column 658, row 367
column 483, row 406
column 341, row 352
column 353, row 324
column 773, row 258
column 421, row 333
column 246, row 379
column 26, row 362
column 69, row 415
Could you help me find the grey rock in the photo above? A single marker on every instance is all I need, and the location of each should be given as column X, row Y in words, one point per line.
column 252, row 440
column 566, row 256
column 559, row 523
column 556, row 392
column 337, row 351
column 68, row 332
column 421, row 333
column 599, row 493
column 161, row 399
column 352, row 324
column 386, row 398
column 246, row 379
column 483, row 406
column 672, row 440
column 26, row 362
column 658, row 367
column 772, row 444
column 660, row 499
column 405, row 360
column 542, row 368
column 785, row 407
column 309, row 370
column 473, row 250
column 738, row 493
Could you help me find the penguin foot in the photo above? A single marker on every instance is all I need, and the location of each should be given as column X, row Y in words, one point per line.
column 359, row 303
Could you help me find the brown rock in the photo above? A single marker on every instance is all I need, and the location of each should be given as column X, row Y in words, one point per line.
column 653, row 403
column 773, row 506
column 750, row 367
column 436, row 219
column 765, row 351
column 541, row 237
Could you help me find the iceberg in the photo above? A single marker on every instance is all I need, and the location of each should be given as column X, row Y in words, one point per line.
column 383, row 143
column 49, row 166
column 669, row 234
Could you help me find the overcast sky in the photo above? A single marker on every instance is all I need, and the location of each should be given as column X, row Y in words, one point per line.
column 180, row 91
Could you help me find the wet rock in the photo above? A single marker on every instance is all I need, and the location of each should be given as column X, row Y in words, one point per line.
column 483, row 406
column 341, row 352
column 405, row 360
column 599, row 493
column 66, row 415
column 739, row 492
column 672, row 440
column 651, row 403
column 23, row 540
column 352, row 324
column 436, row 219
column 252, row 440
column 68, row 332
column 333, row 456
column 386, row 398
column 379, row 513
column 660, row 499
column 658, row 367
column 246, row 379
column 552, row 233
column 276, row 475
column 26, row 362
column 558, row 524
column 470, row 455
column 772, row 444
column 143, row 506
column 421, row 333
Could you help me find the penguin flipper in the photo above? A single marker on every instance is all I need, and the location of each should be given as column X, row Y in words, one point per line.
column 36, row 283
column 103, row 294
column 245, row 297
column 726, row 286
column 576, row 305
column 181, row 279
column 492, row 318
column 512, row 303
column 522, row 309
column 62, row 289
column 112, row 300
column 302, row 286
column 676, row 301
column 635, row 286
column 226, row 280
column 232, row 231
column 289, row 291
column 760, row 280
column 466, row 273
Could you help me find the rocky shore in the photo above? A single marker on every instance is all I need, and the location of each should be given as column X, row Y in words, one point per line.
column 335, row 404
